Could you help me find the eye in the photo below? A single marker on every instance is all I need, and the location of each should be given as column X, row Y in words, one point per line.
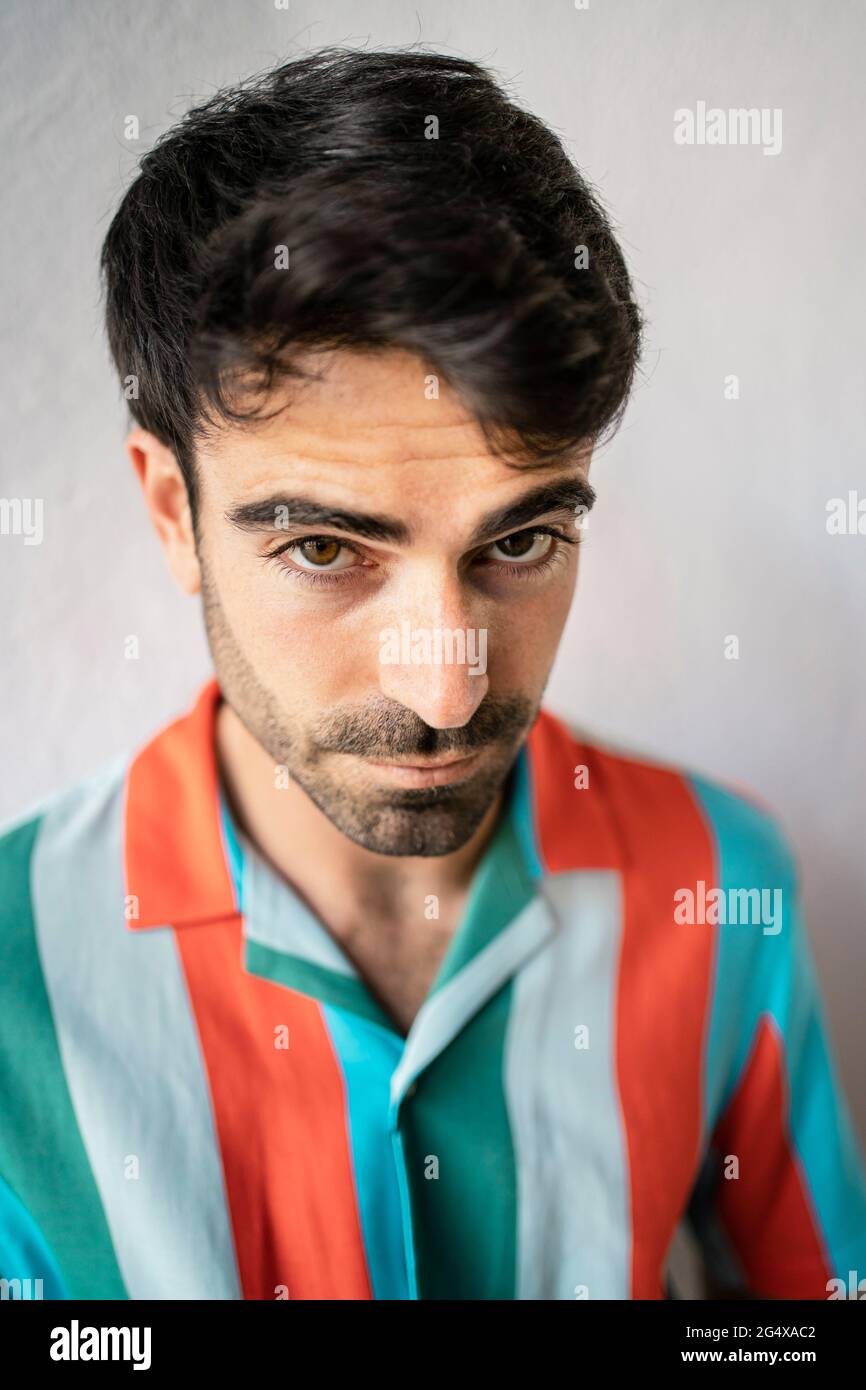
column 320, row 553
column 524, row 547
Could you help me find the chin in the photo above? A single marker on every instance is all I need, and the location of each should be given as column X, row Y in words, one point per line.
column 421, row 830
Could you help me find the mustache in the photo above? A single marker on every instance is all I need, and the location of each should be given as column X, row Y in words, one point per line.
column 386, row 729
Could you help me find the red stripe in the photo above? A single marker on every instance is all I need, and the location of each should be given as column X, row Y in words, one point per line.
column 280, row 1115
column 573, row 826
column 281, row 1119
column 173, row 855
column 644, row 821
column 766, row 1208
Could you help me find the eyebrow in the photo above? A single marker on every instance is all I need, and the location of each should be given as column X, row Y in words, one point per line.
column 565, row 494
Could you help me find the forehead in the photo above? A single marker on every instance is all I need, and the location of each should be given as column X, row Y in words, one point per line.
column 373, row 426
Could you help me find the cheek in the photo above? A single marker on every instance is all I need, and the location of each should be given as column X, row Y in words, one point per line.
column 293, row 638
column 524, row 635
column 522, row 649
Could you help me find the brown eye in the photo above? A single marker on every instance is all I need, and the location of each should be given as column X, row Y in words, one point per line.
column 515, row 547
column 524, row 546
column 320, row 550
column 325, row 555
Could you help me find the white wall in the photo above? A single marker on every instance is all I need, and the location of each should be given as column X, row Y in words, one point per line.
column 711, row 519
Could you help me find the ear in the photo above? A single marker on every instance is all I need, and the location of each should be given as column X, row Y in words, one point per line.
column 167, row 501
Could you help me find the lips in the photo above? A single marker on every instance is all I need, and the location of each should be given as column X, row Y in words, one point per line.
column 425, row 766
column 429, row 774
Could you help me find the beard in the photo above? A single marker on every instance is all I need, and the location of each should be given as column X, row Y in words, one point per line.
column 416, row 821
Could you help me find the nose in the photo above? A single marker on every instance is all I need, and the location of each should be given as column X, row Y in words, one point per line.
column 432, row 656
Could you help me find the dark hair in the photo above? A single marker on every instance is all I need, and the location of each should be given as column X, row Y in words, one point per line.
column 461, row 248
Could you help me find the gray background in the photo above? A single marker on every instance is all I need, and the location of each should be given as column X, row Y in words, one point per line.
column 711, row 518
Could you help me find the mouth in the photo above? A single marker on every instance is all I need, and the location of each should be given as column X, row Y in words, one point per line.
column 437, row 772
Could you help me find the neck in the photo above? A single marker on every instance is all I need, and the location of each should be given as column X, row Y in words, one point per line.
column 298, row 840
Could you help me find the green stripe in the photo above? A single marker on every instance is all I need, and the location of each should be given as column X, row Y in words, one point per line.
column 464, row 1221
column 42, row 1156
column 328, row 986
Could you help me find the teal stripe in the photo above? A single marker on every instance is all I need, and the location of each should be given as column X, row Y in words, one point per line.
column 132, row 1056
column 368, row 1055
column 761, row 974
column 399, row 1152
column 524, row 817
column 327, row 986
column 24, row 1253
column 232, row 849
column 42, row 1156
column 501, row 887
column 460, row 1165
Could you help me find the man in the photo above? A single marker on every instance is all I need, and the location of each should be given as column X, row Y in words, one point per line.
column 368, row 978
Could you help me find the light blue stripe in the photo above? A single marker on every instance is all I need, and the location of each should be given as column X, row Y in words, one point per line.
column 368, row 1055
column 274, row 916
column 132, row 1056
column 24, row 1252
column 573, row 1190
column 757, row 974
column 446, row 1012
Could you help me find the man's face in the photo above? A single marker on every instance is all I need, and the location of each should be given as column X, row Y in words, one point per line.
column 381, row 618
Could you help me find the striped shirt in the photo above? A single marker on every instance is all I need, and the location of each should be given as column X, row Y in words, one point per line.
column 202, row 1099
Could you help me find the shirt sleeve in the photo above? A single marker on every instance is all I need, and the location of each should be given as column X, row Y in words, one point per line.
column 779, row 1206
